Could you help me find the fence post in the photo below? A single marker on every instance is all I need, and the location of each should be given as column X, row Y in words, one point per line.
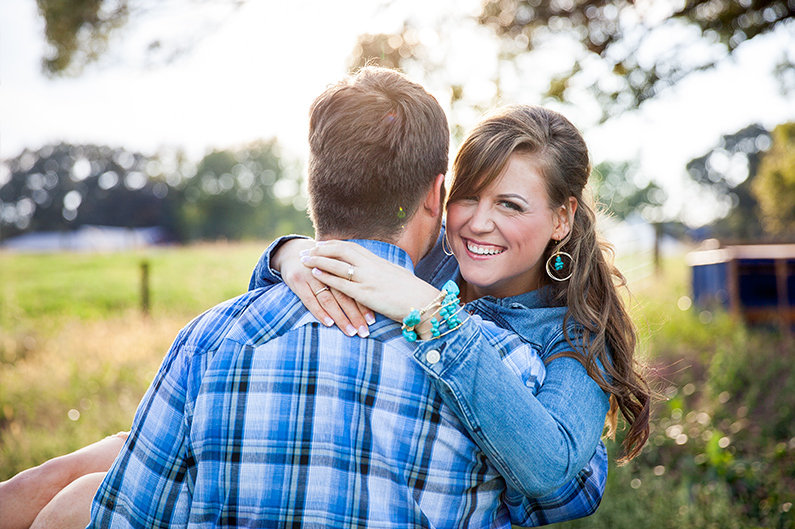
column 145, row 287
column 784, row 310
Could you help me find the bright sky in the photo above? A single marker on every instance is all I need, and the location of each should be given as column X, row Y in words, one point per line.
column 255, row 76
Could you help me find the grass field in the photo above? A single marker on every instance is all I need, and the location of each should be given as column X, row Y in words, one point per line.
column 77, row 354
column 76, row 350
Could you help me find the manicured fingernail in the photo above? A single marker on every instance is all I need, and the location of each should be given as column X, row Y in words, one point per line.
column 320, row 243
column 305, row 258
column 328, row 321
column 364, row 332
column 350, row 330
column 369, row 318
column 316, row 272
column 303, row 252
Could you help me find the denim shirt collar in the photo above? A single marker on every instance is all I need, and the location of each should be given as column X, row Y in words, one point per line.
column 535, row 299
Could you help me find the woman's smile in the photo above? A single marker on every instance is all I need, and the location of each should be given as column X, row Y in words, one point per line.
column 481, row 249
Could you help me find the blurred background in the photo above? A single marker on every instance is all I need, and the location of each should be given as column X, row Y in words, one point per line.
column 149, row 150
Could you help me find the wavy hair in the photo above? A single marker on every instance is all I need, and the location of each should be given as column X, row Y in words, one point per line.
column 592, row 294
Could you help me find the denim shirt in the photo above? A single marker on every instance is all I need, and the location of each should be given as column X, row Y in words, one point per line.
column 564, row 420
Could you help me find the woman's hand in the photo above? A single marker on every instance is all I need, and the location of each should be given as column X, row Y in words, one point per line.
column 370, row 280
column 325, row 304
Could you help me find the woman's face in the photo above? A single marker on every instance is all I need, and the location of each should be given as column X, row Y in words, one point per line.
column 500, row 235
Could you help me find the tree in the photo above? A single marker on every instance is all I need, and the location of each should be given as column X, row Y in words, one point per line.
column 387, row 50
column 246, row 193
column 617, row 190
column 250, row 192
column 61, row 187
column 634, row 49
column 774, row 185
column 79, row 31
column 726, row 173
column 628, row 52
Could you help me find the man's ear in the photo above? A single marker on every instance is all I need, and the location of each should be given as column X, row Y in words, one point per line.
column 434, row 200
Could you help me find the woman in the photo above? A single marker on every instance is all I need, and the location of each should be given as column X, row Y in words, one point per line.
column 527, row 257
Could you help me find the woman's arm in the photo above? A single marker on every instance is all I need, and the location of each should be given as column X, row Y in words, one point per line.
column 552, row 435
column 538, row 442
column 473, row 380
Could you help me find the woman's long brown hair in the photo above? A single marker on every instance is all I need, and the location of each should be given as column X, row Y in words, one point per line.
column 592, row 294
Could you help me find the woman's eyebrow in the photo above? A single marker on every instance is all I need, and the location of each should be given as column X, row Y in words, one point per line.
column 513, row 195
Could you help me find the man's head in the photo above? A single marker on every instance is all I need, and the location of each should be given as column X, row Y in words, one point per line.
column 377, row 143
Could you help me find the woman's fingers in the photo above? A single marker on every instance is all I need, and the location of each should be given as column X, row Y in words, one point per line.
column 334, row 281
column 369, row 315
column 328, row 306
column 373, row 282
column 354, row 314
column 306, row 293
column 343, row 251
column 326, row 299
column 342, row 269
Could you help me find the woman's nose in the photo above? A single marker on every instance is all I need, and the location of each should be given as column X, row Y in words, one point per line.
column 481, row 220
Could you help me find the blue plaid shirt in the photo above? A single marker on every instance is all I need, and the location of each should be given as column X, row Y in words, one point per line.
column 261, row 417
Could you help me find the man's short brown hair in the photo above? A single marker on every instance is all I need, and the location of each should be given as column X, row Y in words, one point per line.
column 377, row 140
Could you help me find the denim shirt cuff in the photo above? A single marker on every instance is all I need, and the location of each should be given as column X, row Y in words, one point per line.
column 263, row 274
column 440, row 355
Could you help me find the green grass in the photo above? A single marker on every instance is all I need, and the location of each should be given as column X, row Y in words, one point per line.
column 94, row 285
column 77, row 354
column 76, row 351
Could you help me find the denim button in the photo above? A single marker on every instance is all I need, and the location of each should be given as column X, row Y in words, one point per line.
column 432, row 356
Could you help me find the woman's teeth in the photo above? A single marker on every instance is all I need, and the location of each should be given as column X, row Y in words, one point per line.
column 483, row 250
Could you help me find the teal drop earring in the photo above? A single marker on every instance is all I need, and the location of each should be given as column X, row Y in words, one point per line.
column 555, row 262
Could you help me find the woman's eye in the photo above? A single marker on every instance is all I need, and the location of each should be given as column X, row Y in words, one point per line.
column 510, row 205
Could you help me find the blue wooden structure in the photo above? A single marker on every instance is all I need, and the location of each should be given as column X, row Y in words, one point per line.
column 754, row 282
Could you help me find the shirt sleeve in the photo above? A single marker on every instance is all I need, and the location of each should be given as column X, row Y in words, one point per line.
column 578, row 498
column 540, row 440
column 142, row 486
column 263, row 275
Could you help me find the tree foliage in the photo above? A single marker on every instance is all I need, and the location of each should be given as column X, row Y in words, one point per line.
column 646, row 46
column 383, row 49
column 77, row 31
column 726, row 173
column 60, row 187
column 774, row 185
column 617, row 191
column 235, row 194
column 243, row 194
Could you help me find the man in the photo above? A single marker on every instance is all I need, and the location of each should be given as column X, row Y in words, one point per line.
column 262, row 417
